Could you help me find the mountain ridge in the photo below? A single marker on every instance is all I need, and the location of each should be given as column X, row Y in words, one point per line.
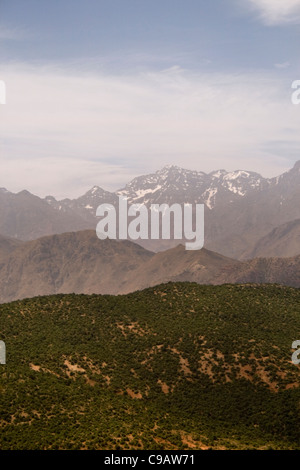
column 241, row 207
column 81, row 263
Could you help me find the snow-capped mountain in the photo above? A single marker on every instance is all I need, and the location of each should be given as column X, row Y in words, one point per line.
column 241, row 206
column 174, row 184
column 85, row 206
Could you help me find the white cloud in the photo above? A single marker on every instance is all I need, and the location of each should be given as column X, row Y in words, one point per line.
column 61, row 133
column 275, row 12
column 283, row 65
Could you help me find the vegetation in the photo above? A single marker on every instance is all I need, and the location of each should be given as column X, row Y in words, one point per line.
column 177, row 366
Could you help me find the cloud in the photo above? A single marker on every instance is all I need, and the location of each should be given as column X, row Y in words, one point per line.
column 276, row 12
column 283, row 65
column 62, row 132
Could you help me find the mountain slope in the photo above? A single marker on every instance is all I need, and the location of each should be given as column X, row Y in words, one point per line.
column 81, row 263
column 284, row 239
column 70, row 262
column 26, row 217
column 285, row 271
column 8, row 245
column 207, row 267
column 178, row 264
column 178, row 366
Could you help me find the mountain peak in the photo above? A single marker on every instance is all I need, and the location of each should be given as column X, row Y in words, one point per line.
column 94, row 191
column 24, row 192
column 297, row 166
column 169, row 167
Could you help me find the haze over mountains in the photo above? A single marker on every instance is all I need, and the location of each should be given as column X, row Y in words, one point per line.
column 283, row 240
column 116, row 362
column 241, row 209
column 79, row 262
column 252, row 234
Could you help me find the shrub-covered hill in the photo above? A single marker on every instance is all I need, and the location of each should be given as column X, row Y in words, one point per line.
column 176, row 366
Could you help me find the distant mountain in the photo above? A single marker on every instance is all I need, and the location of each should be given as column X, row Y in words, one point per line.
column 233, row 229
column 85, row 206
column 7, row 245
column 284, row 239
column 70, row 262
column 177, row 264
column 241, row 207
column 207, row 267
column 285, row 271
column 81, row 263
column 177, row 185
column 27, row 217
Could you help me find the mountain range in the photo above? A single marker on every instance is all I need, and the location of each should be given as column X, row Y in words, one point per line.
column 246, row 215
column 78, row 262
column 183, row 350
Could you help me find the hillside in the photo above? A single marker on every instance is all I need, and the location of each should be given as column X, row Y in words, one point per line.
column 178, row 366
column 178, row 264
column 7, row 245
column 70, row 262
column 207, row 267
column 285, row 271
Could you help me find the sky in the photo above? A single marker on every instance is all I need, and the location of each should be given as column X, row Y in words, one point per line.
column 101, row 91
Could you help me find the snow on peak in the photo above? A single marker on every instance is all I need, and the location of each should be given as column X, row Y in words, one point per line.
column 142, row 192
column 95, row 189
column 236, row 174
column 210, row 197
column 169, row 167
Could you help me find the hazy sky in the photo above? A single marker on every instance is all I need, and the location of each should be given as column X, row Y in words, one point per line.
column 100, row 91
